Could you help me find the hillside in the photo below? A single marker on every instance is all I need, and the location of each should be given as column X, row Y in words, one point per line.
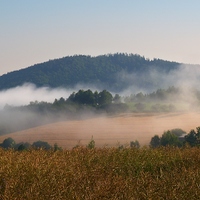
column 104, row 72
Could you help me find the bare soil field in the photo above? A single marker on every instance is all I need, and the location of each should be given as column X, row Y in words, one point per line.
column 108, row 131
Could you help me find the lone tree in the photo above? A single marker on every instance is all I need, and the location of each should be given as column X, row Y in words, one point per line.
column 105, row 97
column 169, row 139
column 155, row 141
column 193, row 137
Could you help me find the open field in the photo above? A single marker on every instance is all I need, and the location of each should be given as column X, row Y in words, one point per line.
column 100, row 173
column 108, row 130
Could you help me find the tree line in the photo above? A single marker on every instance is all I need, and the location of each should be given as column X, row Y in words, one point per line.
column 161, row 100
column 10, row 143
column 171, row 138
column 83, row 100
column 177, row 138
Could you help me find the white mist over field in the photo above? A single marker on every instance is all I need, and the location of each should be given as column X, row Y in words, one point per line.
column 23, row 95
column 28, row 92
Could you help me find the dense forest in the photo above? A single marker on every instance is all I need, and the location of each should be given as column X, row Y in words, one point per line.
column 103, row 72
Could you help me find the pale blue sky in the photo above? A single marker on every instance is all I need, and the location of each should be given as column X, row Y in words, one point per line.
column 36, row 31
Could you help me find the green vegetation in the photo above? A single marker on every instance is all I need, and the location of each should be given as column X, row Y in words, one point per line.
column 101, row 71
column 177, row 137
column 91, row 144
column 193, row 138
column 9, row 143
column 106, row 173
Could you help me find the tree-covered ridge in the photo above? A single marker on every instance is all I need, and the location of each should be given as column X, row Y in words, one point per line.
column 68, row 71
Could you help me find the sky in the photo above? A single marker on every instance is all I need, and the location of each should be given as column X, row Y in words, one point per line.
column 36, row 31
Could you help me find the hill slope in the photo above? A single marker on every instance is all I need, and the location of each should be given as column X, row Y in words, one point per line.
column 106, row 71
column 107, row 130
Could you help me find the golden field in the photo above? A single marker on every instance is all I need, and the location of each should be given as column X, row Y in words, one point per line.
column 105, row 173
column 108, row 131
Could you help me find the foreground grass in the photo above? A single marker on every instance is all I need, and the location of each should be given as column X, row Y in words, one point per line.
column 108, row 173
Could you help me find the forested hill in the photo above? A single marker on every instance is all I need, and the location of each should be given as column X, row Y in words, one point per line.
column 105, row 71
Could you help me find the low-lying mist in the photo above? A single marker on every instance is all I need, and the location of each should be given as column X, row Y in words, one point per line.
column 15, row 115
column 186, row 78
column 23, row 95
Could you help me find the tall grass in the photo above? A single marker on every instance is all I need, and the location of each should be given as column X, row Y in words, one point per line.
column 106, row 173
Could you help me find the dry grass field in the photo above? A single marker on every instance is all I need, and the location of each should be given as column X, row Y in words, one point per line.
column 100, row 173
column 108, row 131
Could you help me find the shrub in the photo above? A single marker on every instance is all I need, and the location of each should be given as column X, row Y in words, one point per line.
column 41, row 145
column 134, row 144
column 169, row 139
column 22, row 146
column 155, row 141
column 91, row 144
column 8, row 143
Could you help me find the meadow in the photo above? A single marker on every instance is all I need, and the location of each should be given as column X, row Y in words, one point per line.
column 100, row 173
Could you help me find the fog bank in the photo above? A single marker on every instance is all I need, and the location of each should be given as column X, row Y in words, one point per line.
column 186, row 77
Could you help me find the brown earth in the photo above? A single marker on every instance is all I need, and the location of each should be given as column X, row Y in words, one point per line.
column 108, row 130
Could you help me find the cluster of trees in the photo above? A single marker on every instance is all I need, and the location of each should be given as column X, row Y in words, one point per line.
column 75, row 106
column 163, row 100
column 9, row 143
column 159, row 101
column 80, row 101
column 168, row 94
column 96, row 99
column 177, row 137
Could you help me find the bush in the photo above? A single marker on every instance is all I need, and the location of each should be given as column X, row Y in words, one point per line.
column 22, row 146
column 155, row 141
column 8, row 143
column 56, row 147
column 91, row 144
column 169, row 139
column 135, row 144
column 41, row 145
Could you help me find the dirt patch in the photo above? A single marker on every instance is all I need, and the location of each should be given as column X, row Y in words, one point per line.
column 108, row 130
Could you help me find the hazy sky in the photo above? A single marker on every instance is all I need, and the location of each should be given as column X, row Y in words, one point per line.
column 34, row 31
